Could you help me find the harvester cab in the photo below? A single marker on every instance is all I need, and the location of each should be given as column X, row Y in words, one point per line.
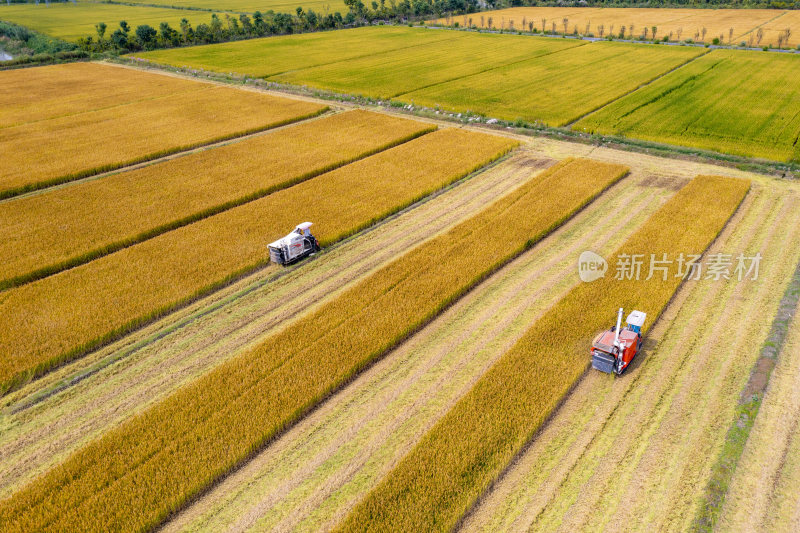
column 614, row 349
column 298, row 244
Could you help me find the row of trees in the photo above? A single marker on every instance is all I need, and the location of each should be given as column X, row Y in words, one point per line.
column 224, row 27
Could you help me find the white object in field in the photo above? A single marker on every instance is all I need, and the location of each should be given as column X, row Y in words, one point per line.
column 298, row 244
column 616, row 330
column 636, row 321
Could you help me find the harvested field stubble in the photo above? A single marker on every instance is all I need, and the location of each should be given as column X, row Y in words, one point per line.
column 205, row 429
column 45, row 233
column 153, row 362
column 61, row 317
column 440, row 479
column 65, row 148
column 643, row 448
column 314, row 474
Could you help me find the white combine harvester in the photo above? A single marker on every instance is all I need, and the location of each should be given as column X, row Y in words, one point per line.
column 295, row 246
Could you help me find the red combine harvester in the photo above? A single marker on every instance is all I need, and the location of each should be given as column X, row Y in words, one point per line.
column 614, row 349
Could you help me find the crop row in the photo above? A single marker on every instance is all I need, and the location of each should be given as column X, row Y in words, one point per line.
column 61, row 317
column 65, row 227
column 47, row 152
column 440, row 479
column 136, row 475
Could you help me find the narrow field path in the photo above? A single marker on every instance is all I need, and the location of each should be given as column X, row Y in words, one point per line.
column 312, row 476
column 640, row 447
column 763, row 492
column 163, row 357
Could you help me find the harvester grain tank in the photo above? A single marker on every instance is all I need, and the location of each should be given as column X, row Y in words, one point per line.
column 614, row 349
column 298, row 244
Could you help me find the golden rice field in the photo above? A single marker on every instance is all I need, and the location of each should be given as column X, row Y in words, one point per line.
column 54, row 91
column 771, row 30
column 643, row 447
column 676, row 24
column 70, row 21
column 219, row 326
column 442, row 477
column 61, row 317
column 310, row 477
column 57, row 229
column 59, row 149
column 196, row 445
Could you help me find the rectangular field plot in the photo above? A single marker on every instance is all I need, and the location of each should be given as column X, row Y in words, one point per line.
column 558, row 88
column 390, row 74
column 58, row 318
column 42, row 93
column 675, row 24
column 48, row 232
column 275, row 55
column 70, row 21
column 195, row 436
column 64, row 148
column 444, row 474
column 737, row 102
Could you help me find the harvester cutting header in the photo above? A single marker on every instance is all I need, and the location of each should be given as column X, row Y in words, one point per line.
column 614, row 349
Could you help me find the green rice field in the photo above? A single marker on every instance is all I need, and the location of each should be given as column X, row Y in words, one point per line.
column 732, row 101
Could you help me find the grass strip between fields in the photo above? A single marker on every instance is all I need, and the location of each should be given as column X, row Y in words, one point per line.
column 49, row 152
column 135, row 476
column 61, row 317
column 60, row 229
column 459, row 458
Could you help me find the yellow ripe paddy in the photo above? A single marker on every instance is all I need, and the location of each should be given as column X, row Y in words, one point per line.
column 204, row 430
column 441, row 478
column 51, row 231
column 70, row 21
column 676, row 24
column 60, row 317
column 72, row 146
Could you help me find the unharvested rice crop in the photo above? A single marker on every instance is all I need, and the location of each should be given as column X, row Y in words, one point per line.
column 439, row 480
column 321, row 7
column 61, row 149
column 34, row 94
column 675, row 24
column 177, row 448
column 45, row 233
column 60, row 317
column 558, row 88
column 775, row 28
column 70, row 21
column 737, row 102
column 275, row 55
column 393, row 73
